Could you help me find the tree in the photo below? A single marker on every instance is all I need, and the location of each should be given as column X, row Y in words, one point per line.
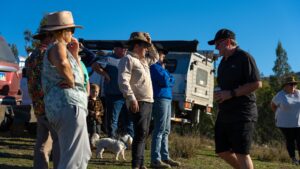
column 14, row 50
column 28, row 41
column 281, row 67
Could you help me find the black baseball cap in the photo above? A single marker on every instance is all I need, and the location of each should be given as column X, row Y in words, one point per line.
column 120, row 44
column 222, row 34
column 160, row 47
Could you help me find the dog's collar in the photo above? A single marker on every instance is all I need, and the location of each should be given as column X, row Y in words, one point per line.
column 123, row 143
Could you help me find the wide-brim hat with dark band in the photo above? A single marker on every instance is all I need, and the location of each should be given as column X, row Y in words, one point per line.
column 290, row 80
column 59, row 20
column 136, row 37
column 39, row 35
column 222, row 34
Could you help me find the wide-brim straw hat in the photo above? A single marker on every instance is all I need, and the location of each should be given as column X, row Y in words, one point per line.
column 59, row 20
column 138, row 37
column 289, row 80
column 40, row 34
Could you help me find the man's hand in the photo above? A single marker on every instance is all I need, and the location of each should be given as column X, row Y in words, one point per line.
column 97, row 68
column 134, row 106
column 222, row 95
column 147, row 35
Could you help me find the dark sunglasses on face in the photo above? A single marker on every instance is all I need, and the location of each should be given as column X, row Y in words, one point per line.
column 219, row 42
column 71, row 30
column 144, row 45
column 292, row 84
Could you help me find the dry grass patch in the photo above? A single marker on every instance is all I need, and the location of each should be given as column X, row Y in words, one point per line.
column 273, row 152
column 186, row 146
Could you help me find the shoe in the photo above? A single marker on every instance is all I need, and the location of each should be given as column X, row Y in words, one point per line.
column 143, row 167
column 159, row 164
column 295, row 161
column 172, row 163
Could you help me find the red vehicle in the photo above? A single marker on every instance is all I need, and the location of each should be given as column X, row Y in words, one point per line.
column 10, row 76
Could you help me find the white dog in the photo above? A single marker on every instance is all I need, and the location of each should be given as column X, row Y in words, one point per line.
column 127, row 139
column 115, row 146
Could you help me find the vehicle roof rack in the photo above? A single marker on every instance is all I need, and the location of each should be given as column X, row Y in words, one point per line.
column 170, row 45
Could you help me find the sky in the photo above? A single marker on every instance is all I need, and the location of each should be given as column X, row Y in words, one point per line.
column 258, row 24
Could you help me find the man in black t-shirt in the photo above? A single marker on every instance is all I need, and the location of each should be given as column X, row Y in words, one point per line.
column 238, row 78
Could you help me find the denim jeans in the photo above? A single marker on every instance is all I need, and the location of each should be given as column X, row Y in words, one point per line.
column 162, row 125
column 141, row 121
column 115, row 107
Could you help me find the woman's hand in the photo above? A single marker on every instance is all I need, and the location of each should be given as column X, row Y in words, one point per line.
column 65, row 85
column 73, row 47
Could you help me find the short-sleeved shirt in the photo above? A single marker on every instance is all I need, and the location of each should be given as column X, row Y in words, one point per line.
column 288, row 109
column 34, row 65
column 239, row 69
column 85, row 73
column 56, row 98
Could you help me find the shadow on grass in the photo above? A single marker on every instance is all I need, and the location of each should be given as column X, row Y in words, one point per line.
column 17, row 143
column 109, row 162
column 5, row 166
column 10, row 155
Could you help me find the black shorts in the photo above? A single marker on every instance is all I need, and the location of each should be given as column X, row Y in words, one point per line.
column 234, row 137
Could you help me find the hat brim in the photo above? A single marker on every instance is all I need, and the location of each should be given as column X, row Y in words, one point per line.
column 165, row 52
column 211, row 42
column 54, row 28
column 138, row 41
column 39, row 36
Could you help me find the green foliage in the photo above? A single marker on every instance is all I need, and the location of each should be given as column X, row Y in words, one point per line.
column 281, row 66
column 14, row 50
column 266, row 131
column 28, row 41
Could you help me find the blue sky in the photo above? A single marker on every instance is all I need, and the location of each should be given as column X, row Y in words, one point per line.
column 258, row 24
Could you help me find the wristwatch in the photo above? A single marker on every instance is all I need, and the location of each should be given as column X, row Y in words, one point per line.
column 232, row 93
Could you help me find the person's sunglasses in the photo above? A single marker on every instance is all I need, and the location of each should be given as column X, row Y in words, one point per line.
column 292, row 84
column 71, row 30
column 219, row 42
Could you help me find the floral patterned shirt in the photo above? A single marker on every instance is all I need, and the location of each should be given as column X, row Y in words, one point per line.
column 34, row 65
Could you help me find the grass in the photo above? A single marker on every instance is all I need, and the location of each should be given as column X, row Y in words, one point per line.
column 194, row 153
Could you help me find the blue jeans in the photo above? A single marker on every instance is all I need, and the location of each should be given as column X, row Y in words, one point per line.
column 162, row 125
column 115, row 107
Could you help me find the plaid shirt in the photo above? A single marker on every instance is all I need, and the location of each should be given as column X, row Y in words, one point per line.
column 94, row 107
column 34, row 65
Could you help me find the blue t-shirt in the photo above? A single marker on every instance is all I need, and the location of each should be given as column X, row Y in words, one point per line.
column 288, row 109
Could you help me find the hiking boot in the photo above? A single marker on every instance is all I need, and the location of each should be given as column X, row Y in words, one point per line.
column 295, row 161
column 172, row 163
column 159, row 164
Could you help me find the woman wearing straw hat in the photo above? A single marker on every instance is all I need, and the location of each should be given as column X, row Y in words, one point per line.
column 286, row 105
column 65, row 95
